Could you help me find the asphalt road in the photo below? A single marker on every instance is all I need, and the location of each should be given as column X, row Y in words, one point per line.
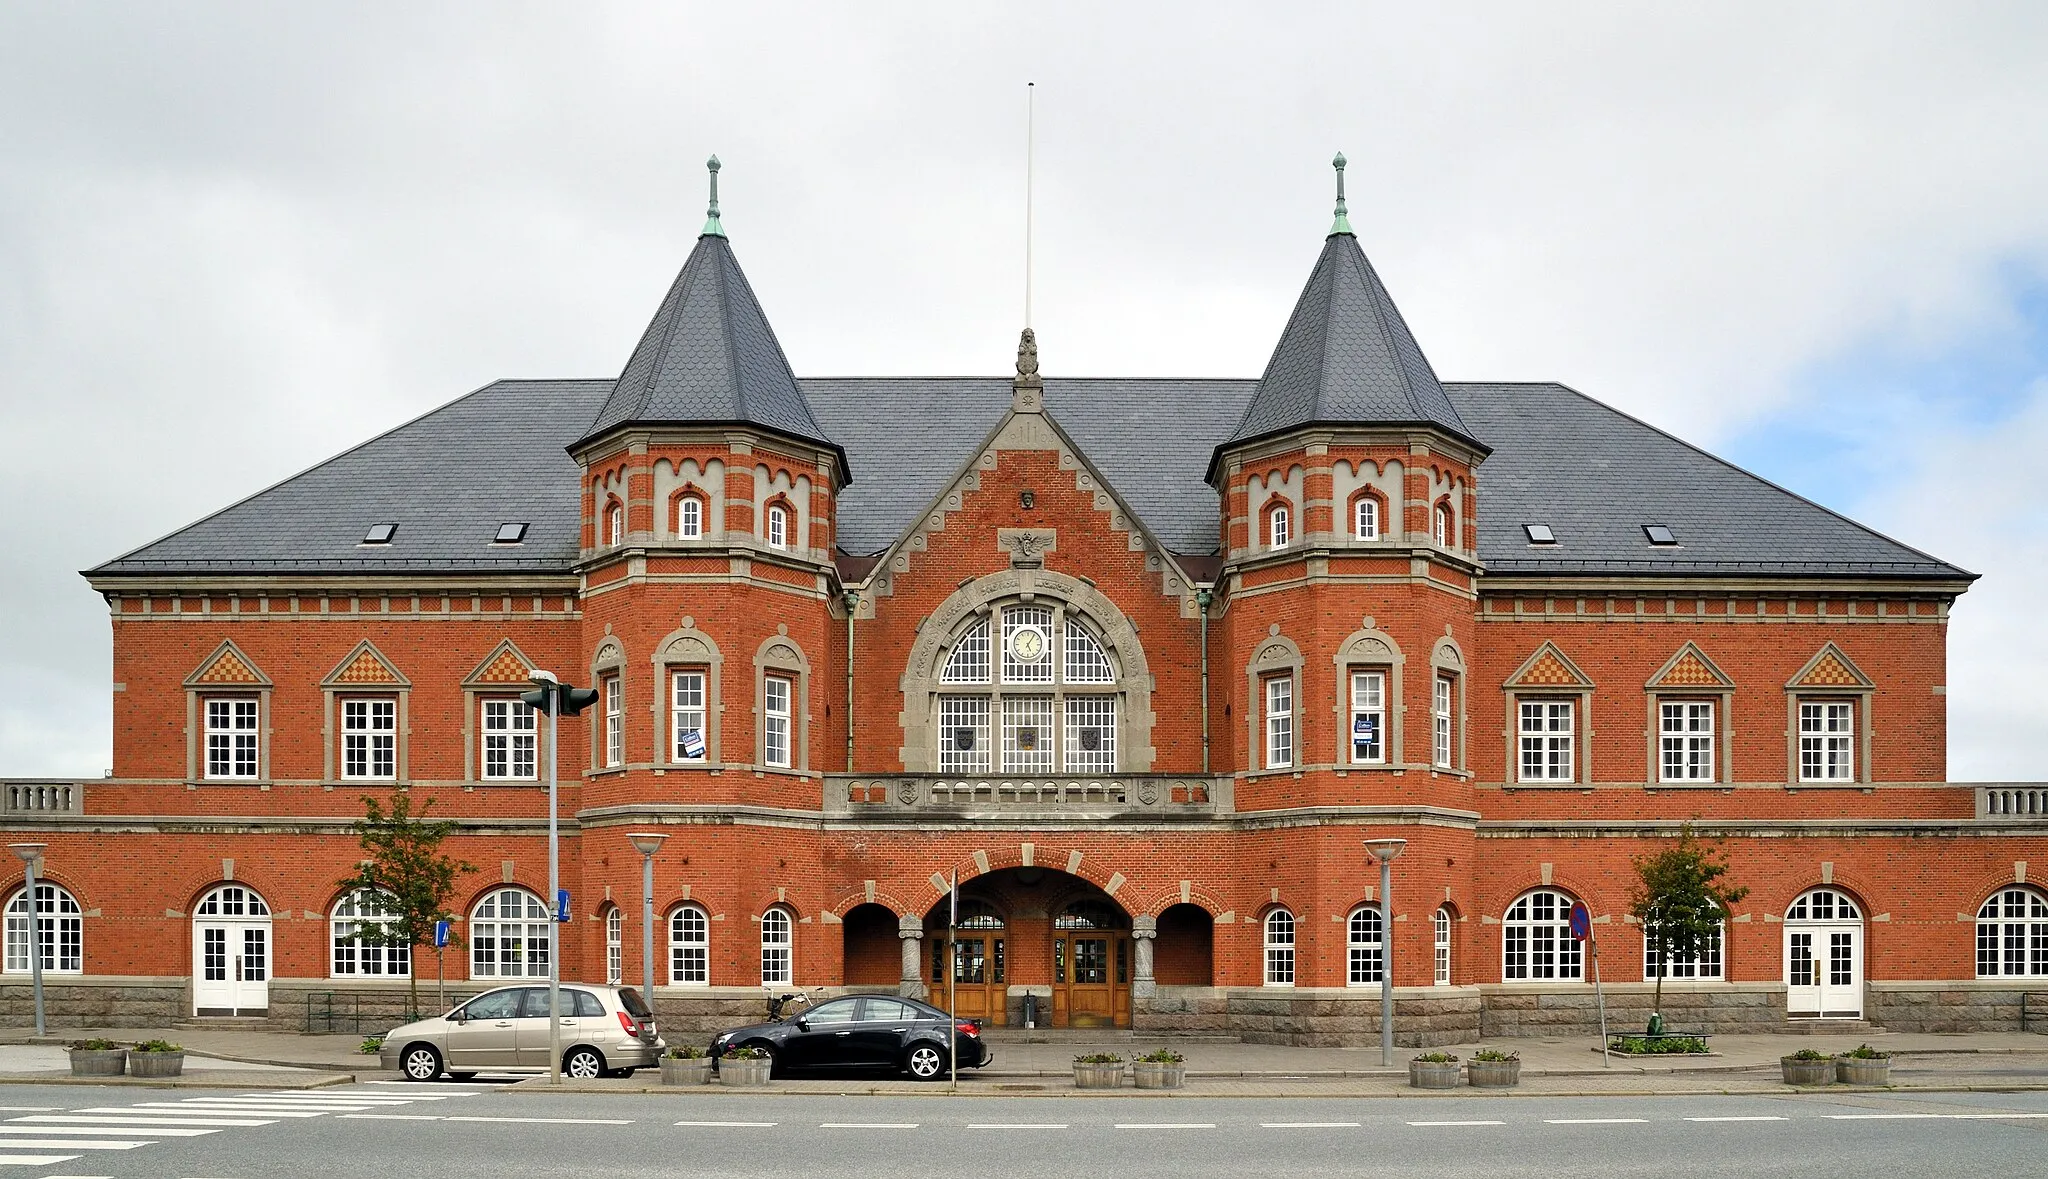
column 388, row 1130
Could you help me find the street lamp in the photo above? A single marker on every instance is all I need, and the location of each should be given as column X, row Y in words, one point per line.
column 32, row 854
column 1385, row 851
column 554, row 697
column 647, row 843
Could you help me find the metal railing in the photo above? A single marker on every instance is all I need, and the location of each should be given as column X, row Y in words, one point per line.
column 25, row 797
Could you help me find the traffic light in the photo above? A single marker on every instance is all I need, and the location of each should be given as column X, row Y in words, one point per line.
column 573, row 700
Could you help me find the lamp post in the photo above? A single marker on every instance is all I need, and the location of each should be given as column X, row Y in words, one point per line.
column 554, row 697
column 32, row 854
column 647, row 844
column 1385, row 851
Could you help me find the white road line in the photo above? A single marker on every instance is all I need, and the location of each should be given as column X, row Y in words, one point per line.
column 551, row 1121
column 207, row 1111
column 1015, row 1125
column 1595, row 1121
column 416, row 1085
column 238, row 1103
column 867, row 1125
column 34, row 1160
column 1474, row 1123
column 152, row 1131
column 396, row 1117
column 1973, row 1117
column 99, row 1119
column 1166, row 1125
column 1897, row 1117
column 28, row 1108
column 1310, row 1125
column 73, row 1144
column 730, row 1125
column 1743, row 1118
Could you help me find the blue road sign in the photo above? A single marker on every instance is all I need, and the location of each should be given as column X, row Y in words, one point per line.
column 561, row 904
column 440, row 934
column 1581, row 920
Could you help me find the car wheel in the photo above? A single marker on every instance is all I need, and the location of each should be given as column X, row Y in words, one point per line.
column 420, row 1063
column 583, row 1064
column 462, row 1076
column 925, row 1062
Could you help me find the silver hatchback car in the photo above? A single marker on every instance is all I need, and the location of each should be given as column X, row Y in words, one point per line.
column 606, row 1031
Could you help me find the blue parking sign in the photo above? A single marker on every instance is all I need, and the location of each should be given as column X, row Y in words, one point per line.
column 440, row 934
column 561, row 904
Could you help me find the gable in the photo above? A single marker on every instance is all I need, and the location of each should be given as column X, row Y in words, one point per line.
column 1549, row 668
column 365, row 667
column 1830, row 668
column 505, row 666
column 1690, row 668
column 227, row 667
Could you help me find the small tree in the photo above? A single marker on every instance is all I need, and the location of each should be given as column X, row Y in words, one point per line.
column 1681, row 901
column 406, row 873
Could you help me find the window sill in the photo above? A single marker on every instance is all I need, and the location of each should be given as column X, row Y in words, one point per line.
column 259, row 783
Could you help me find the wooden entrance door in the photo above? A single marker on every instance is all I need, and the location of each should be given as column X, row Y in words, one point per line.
column 1091, row 979
column 978, row 987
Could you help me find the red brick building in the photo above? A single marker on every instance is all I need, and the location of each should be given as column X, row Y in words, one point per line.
column 1142, row 662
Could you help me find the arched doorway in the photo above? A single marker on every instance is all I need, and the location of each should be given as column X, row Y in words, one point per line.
column 1186, row 955
column 1038, row 935
column 871, row 943
column 1824, row 956
column 231, row 953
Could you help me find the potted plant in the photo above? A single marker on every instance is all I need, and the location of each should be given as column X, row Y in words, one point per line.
column 97, row 1058
column 1493, row 1069
column 1098, row 1070
column 1864, row 1065
column 1164, row 1069
column 1433, row 1070
column 685, row 1064
column 741, row 1066
column 156, row 1058
column 1808, row 1067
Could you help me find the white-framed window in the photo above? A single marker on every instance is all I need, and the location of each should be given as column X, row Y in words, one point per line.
column 1536, row 939
column 1362, row 946
column 1368, row 718
column 1440, row 723
column 963, row 735
column 614, row 524
column 775, row 693
column 615, row 945
column 1027, row 645
column 1278, row 527
column 1366, row 518
column 232, row 900
column 689, row 947
column 511, row 742
column 614, row 721
column 1706, row 965
column 354, row 957
column 59, row 930
column 1090, row 742
column 1441, row 526
column 969, row 662
column 510, row 935
column 1087, row 662
column 686, row 715
column 1824, row 904
column 1685, row 740
column 778, row 526
column 1027, row 734
column 231, row 737
column 2012, row 935
column 776, row 950
column 1279, row 722
column 1279, row 948
column 1440, row 943
column 369, row 740
column 1546, row 740
column 1827, row 733
column 689, row 518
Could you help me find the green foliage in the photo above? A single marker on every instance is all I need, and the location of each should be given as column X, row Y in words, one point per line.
column 1809, row 1054
column 1495, row 1056
column 96, row 1044
column 746, row 1052
column 157, row 1046
column 1660, row 1045
column 686, row 1052
column 1434, row 1058
column 371, row 1045
column 406, row 871
column 1681, row 900
column 1162, row 1056
column 1099, row 1058
column 1866, row 1052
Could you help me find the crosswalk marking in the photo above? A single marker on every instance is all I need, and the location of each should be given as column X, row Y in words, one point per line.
column 74, row 1144
column 396, row 1117
column 154, row 1131
column 103, row 1117
column 238, row 1110
column 34, row 1160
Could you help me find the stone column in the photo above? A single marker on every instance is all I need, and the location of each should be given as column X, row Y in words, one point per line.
column 911, row 930
column 1143, row 931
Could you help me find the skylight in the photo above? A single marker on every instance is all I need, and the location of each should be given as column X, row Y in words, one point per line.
column 1540, row 534
column 510, row 533
column 380, row 534
column 1659, row 534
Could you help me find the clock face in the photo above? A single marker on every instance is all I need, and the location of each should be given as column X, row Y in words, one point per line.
column 1027, row 644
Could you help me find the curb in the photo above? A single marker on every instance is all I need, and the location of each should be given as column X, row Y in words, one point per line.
column 321, row 1080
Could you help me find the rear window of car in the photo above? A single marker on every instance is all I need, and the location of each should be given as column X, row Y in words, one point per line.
column 892, row 1010
column 635, row 1006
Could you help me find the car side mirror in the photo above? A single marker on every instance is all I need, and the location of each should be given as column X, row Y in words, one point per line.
column 802, row 1024
column 458, row 1016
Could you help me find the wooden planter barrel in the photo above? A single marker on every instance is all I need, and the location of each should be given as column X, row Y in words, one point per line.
column 98, row 1062
column 156, row 1064
column 740, row 1071
column 1424, row 1074
column 676, row 1070
column 1808, row 1072
column 1860, row 1070
column 1494, row 1074
column 1152, row 1074
column 1098, row 1076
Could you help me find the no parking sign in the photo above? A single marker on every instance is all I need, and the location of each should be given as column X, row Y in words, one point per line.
column 1581, row 921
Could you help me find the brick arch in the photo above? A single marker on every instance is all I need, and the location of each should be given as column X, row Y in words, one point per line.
column 207, row 882
column 1859, row 889
column 859, row 896
column 1050, row 859
column 1998, row 882
column 470, row 902
column 64, row 880
column 1563, row 882
column 1168, row 898
column 770, row 901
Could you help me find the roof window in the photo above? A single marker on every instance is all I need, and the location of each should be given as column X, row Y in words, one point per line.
column 380, row 534
column 510, row 533
column 1659, row 534
column 1540, row 534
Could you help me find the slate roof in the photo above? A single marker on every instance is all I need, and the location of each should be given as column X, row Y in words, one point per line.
column 1594, row 474
column 709, row 356
column 1347, row 356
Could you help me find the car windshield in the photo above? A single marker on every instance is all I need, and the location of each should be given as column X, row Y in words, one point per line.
column 635, row 1006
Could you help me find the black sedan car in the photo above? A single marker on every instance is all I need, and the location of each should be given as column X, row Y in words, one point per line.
column 862, row 1032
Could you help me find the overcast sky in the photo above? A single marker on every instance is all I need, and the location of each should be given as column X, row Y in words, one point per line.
column 238, row 238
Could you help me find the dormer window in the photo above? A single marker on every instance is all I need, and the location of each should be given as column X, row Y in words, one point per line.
column 614, row 523
column 510, row 533
column 1660, row 534
column 689, row 518
column 778, row 527
column 380, row 534
column 1278, row 527
column 1540, row 533
column 1366, row 518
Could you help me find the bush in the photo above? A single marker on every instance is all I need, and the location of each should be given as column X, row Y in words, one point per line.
column 1162, row 1056
column 158, row 1046
column 1099, row 1058
column 1809, row 1054
column 746, row 1053
column 688, row 1052
column 1866, row 1052
column 1434, row 1058
column 1495, row 1056
column 1661, row 1045
column 371, row 1045
column 93, row 1045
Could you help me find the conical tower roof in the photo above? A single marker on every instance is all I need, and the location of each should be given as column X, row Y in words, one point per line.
column 1346, row 356
column 709, row 356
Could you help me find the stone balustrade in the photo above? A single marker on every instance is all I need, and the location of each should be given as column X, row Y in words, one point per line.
column 1077, row 796
column 2024, row 801
column 28, row 798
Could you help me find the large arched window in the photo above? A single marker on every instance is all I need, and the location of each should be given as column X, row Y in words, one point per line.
column 1279, row 948
column 510, row 935
column 1536, row 939
column 1362, row 943
column 2012, row 935
column 689, row 947
column 60, row 930
column 365, row 912
column 776, row 950
column 1051, row 697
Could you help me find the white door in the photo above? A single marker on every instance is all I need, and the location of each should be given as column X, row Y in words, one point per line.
column 1824, row 957
column 231, row 953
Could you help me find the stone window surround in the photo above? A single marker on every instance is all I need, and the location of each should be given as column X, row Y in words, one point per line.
column 1371, row 649
column 1447, row 661
column 1581, row 700
column 1058, row 689
column 474, row 692
column 1722, row 695
column 609, row 660
column 983, row 596
column 332, row 692
column 196, row 695
column 1860, row 695
column 798, row 671
column 688, row 649
column 1275, row 655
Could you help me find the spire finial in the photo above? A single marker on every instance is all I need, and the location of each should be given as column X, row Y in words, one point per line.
column 1343, row 223
column 711, row 226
